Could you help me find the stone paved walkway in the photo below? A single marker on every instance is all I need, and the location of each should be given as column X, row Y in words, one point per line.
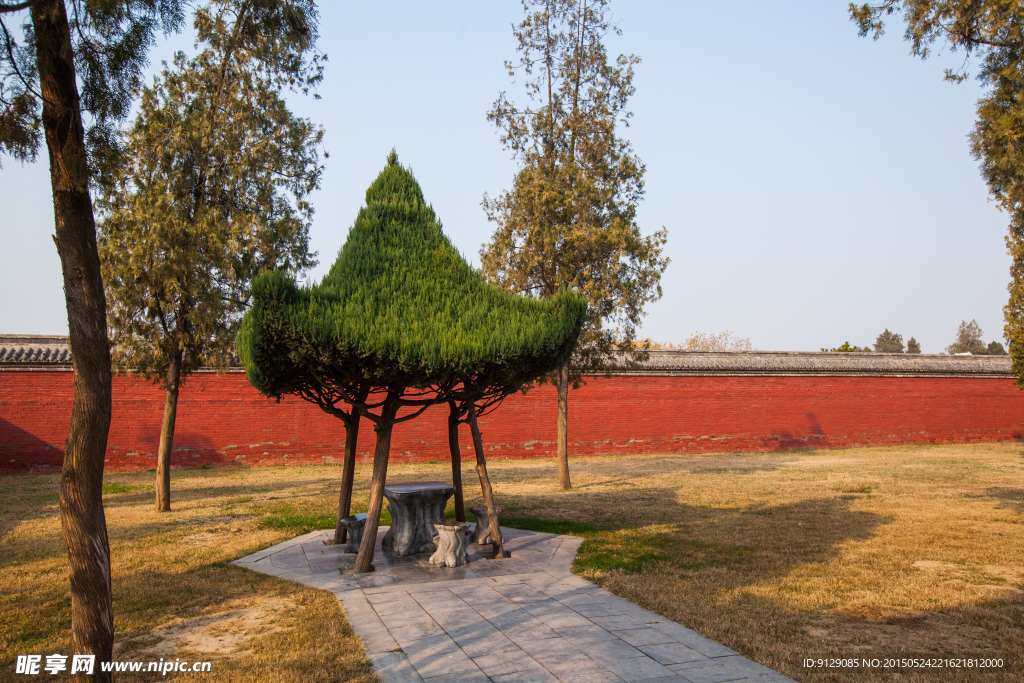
column 521, row 619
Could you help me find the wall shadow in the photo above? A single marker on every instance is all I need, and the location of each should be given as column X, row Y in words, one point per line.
column 784, row 440
column 22, row 451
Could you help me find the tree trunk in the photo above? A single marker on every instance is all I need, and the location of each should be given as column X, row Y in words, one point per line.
column 83, row 524
column 453, row 448
column 163, row 455
column 380, row 473
column 563, row 427
column 485, row 484
column 347, row 475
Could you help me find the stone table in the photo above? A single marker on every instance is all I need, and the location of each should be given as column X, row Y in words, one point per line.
column 415, row 507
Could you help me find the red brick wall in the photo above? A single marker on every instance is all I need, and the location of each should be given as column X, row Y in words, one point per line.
column 223, row 420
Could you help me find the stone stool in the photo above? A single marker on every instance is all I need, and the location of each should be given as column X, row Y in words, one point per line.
column 482, row 533
column 354, row 525
column 451, row 544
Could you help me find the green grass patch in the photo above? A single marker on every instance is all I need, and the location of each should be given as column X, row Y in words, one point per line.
column 569, row 528
column 285, row 516
column 30, row 638
column 45, row 498
column 298, row 522
column 632, row 550
column 115, row 487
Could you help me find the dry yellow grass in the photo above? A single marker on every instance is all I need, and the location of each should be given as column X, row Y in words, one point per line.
column 853, row 553
column 863, row 552
column 175, row 596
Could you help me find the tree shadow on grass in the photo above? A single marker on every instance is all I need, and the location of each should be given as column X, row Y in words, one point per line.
column 652, row 465
column 738, row 573
column 181, row 497
column 1010, row 497
column 780, row 634
column 631, row 531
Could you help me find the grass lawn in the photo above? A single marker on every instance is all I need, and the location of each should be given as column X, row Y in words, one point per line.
column 854, row 553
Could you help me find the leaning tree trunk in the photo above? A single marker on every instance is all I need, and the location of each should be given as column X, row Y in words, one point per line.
column 83, row 524
column 380, row 473
column 563, row 427
column 347, row 475
column 485, row 485
column 163, row 455
column 453, row 448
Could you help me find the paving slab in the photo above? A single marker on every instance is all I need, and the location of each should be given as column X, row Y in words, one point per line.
column 522, row 619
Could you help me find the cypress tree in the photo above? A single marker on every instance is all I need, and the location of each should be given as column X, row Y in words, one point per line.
column 401, row 322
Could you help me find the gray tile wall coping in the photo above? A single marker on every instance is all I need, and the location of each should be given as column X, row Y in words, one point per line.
column 28, row 352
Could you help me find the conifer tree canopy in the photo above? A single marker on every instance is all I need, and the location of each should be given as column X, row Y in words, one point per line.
column 401, row 308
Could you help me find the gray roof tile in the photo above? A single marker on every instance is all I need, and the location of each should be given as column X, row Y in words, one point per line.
column 52, row 352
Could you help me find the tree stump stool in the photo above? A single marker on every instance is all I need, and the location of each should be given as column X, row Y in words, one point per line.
column 482, row 532
column 451, row 544
column 354, row 525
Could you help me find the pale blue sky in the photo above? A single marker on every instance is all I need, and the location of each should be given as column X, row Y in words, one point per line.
column 816, row 186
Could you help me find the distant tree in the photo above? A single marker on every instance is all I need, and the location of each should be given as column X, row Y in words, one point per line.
column 992, row 31
column 847, row 348
column 889, row 342
column 968, row 339
column 913, row 346
column 212, row 188
column 723, row 341
column 996, row 349
column 570, row 218
column 701, row 341
column 55, row 67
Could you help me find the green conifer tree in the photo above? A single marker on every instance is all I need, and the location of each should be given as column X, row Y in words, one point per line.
column 889, row 342
column 570, row 218
column 211, row 189
column 968, row 339
column 402, row 317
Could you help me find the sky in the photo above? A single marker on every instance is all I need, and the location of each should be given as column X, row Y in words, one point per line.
column 817, row 187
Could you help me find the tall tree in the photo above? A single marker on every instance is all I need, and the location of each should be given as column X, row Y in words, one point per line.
column 212, row 188
column 913, row 346
column 570, row 218
column 889, row 342
column 53, row 67
column 992, row 31
column 968, row 339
